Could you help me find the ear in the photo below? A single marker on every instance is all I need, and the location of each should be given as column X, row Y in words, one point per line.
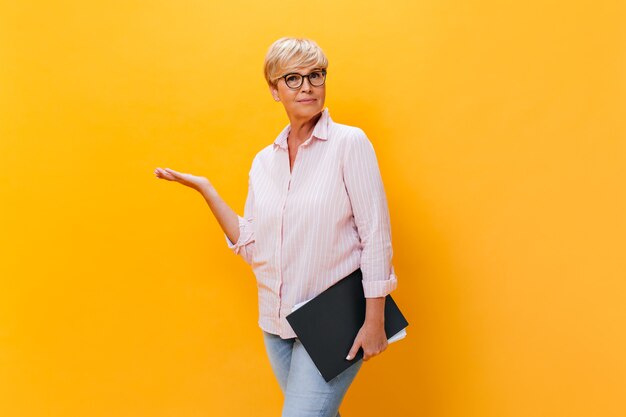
column 274, row 92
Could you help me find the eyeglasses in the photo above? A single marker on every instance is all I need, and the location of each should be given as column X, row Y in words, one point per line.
column 295, row 80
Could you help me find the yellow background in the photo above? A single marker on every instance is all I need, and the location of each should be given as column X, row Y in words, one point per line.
column 499, row 131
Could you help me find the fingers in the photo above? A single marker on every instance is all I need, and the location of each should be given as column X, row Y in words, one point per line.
column 367, row 353
column 171, row 172
column 166, row 173
column 183, row 178
column 371, row 354
column 354, row 350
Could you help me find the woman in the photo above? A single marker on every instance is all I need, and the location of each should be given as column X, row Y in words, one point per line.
column 316, row 211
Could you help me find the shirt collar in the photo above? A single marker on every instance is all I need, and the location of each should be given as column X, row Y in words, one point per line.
column 320, row 131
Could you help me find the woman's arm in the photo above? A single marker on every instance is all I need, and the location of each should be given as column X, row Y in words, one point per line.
column 365, row 188
column 371, row 216
column 224, row 215
column 237, row 229
column 375, row 311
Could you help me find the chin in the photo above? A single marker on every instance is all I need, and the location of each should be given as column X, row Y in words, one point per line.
column 316, row 110
column 308, row 112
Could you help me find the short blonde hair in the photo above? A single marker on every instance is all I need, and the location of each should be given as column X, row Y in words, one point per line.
column 288, row 53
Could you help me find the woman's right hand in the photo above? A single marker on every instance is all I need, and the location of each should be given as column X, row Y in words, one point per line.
column 225, row 216
column 200, row 184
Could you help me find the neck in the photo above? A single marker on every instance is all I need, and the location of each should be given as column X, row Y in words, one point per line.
column 300, row 130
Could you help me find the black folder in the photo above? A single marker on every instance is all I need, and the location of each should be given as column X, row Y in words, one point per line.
column 328, row 324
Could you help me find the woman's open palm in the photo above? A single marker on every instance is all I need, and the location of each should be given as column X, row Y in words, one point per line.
column 193, row 181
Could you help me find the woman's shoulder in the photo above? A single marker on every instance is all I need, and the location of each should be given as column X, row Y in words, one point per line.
column 344, row 129
column 262, row 155
column 348, row 134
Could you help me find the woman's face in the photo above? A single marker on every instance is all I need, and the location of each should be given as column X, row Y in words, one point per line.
column 304, row 102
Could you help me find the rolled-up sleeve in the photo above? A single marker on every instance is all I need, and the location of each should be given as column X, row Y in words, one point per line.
column 371, row 214
column 246, row 243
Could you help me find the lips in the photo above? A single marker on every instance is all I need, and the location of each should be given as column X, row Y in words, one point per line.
column 310, row 100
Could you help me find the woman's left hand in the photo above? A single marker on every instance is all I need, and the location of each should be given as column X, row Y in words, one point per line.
column 372, row 338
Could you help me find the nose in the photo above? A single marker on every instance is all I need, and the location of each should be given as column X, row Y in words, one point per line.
column 306, row 85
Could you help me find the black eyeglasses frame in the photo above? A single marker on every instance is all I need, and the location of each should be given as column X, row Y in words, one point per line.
column 323, row 71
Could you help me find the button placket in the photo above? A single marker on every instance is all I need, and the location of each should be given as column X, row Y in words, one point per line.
column 290, row 179
column 280, row 245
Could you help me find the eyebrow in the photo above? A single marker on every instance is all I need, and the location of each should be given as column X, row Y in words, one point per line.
column 313, row 70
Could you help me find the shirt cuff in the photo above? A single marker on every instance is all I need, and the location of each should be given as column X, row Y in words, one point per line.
column 246, row 235
column 374, row 289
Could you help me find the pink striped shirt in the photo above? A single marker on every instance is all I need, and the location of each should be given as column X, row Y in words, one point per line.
column 303, row 231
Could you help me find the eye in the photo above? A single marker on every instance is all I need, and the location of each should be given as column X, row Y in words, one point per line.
column 292, row 78
column 315, row 75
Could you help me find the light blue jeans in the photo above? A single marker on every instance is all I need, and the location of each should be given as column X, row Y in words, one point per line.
column 306, row 392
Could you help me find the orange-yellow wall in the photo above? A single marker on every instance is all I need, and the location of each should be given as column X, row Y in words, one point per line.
column 499, row 128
